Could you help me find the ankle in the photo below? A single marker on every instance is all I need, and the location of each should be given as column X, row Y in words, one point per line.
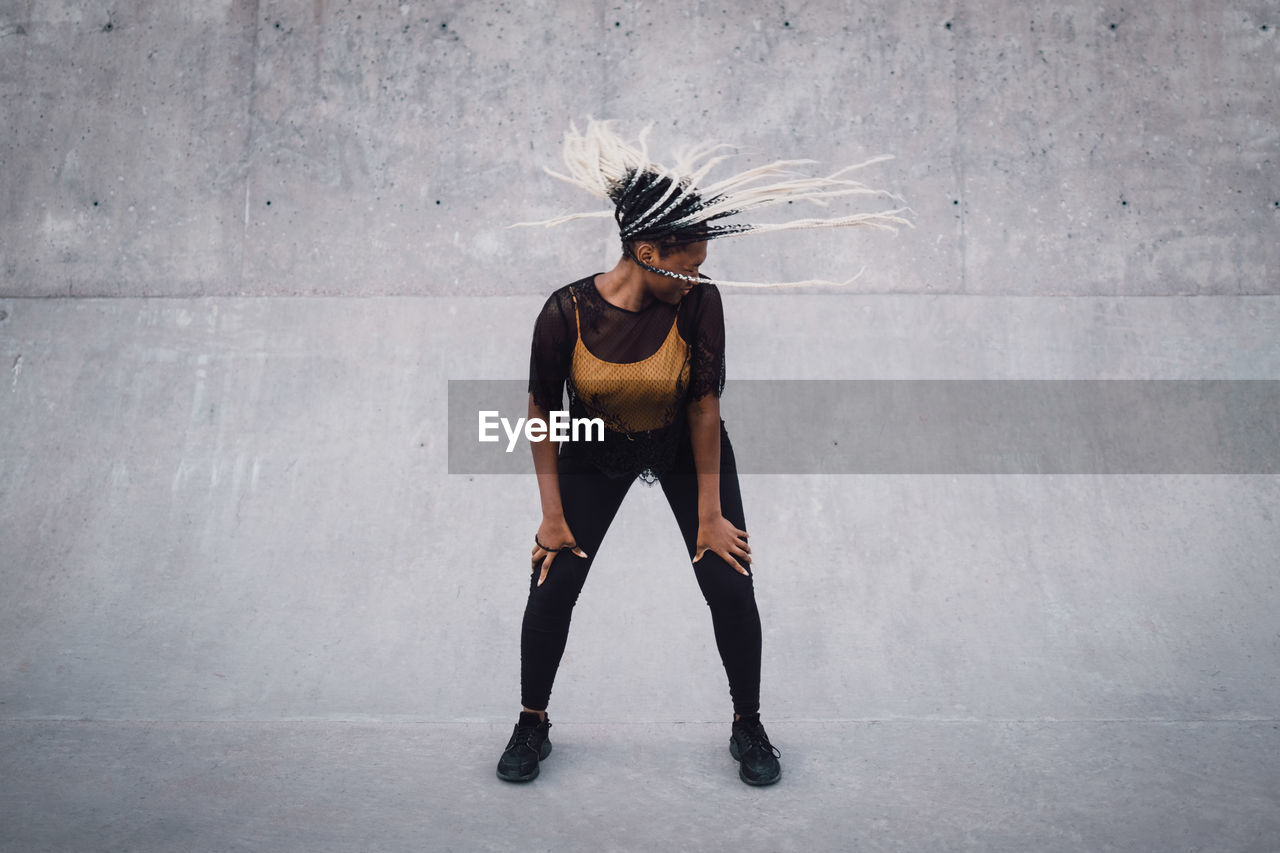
column 542, row 715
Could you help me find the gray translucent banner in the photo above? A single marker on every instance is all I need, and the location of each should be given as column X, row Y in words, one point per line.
column 925, row 426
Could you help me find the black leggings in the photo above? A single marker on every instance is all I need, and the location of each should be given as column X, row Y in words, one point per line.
column 590, row 500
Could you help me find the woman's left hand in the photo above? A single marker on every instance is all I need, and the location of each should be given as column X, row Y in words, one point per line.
column 721, row 536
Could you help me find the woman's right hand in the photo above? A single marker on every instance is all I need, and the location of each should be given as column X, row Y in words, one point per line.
column 556, row 536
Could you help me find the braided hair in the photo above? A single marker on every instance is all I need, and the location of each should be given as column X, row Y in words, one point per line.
column 672, row 207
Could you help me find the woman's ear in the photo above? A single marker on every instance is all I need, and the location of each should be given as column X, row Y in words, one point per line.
column 646, row 252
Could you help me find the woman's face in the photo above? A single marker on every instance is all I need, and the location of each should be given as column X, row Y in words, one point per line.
column 685, row 261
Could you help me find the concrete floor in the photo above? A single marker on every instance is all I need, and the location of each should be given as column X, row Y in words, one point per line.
column 254, row 611
column 868, row 786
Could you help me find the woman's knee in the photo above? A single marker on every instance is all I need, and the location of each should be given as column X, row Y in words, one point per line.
column 722, row 585
column 562, row 585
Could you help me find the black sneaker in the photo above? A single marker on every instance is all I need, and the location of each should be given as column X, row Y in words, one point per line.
column 528, row 746
column 757, row 758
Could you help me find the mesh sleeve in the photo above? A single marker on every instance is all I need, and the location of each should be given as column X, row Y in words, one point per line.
column 551, row 352
column 706, row 374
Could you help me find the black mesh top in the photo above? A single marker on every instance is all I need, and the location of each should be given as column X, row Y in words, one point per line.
column 637, row 371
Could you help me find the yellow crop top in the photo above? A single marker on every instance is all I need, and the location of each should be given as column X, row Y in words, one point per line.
column 636, row 396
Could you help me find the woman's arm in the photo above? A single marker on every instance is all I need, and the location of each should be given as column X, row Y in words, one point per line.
column 544, row 463
column 704, row 434
column 549, row 359
column 715, row 532
column 554, row 531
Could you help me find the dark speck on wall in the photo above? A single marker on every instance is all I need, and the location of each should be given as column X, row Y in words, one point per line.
column 948, row 25
column 108, row 27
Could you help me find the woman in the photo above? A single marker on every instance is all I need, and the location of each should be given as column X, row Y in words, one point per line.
column 642, row 347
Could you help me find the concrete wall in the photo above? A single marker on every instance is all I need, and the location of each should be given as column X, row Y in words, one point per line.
column 219, row 501
column 357, row 148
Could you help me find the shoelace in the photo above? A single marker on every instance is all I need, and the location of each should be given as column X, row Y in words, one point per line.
column 757, row 737
column 524, row 735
